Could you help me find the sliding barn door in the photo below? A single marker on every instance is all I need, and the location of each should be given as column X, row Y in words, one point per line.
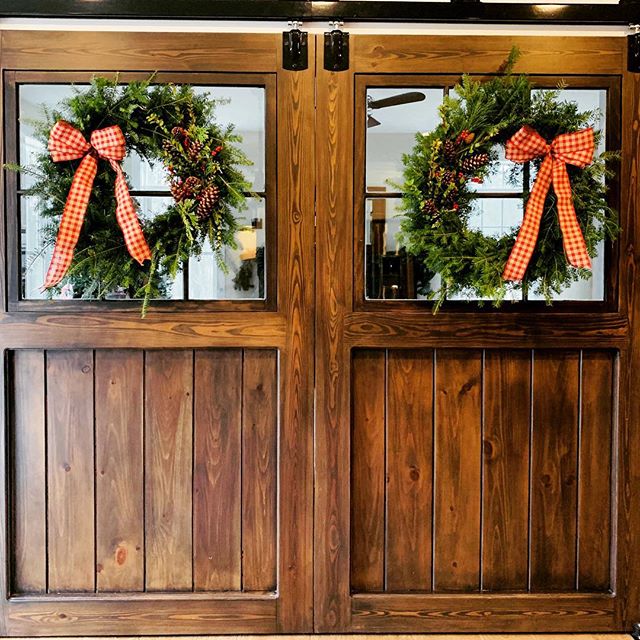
column 158, row 471
column 474, row 468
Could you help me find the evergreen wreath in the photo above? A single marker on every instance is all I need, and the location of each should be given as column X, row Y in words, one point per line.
column 165, row 123
column 437, row 197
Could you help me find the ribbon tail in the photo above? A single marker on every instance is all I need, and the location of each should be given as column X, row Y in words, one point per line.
column 128, row 218
column 71, row 221
column 528, row 235
column 573, row 242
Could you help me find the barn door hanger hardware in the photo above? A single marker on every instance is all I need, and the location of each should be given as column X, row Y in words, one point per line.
column 633, row 59
column 635, row 633
column 336, row 47
column 295, row 49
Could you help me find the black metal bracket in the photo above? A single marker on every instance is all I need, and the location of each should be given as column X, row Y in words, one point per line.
column 295, row 48
column 633, row 57
column 336, row 48
column 635, row 632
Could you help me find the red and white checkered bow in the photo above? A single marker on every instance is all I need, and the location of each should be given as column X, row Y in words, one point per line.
column 572, row 148
column 67, row 143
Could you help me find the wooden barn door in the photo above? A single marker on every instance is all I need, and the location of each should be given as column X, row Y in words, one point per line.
column 157, row 472
column 474, row 468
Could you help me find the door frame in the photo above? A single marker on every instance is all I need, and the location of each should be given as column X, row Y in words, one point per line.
column 343, row 325
column 287, row 327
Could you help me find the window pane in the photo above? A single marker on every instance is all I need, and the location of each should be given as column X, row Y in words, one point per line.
column 244, row 107
column 395, row 131
column 245, row 276
column 390, row 272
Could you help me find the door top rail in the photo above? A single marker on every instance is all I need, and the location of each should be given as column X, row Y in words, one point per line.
column 454, row 12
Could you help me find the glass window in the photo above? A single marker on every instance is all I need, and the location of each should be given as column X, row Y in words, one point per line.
column 203, row 278
column 394, row 116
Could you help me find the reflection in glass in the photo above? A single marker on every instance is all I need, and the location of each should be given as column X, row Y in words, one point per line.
column 243, row 107
column 395, row 134
column 245, row 275
column 389, row 272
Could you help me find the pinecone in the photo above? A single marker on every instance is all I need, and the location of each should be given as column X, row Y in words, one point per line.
column 449, row 150
column 449, row 177
column 430, row 208
column 167, row 145
column 179, row 133
column 207, row 200
column 183, row 190
column 474, row 162
column 195, row 149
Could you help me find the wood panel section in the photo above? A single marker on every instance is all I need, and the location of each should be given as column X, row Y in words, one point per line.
column 168, row 467
column 119, row 470
column 158, row 330
column 480, row 54
column 259, row 470
column 505, row 496
column 296, row 201
column 70, row 471
column 409, row 452
column 144, row 616
column 135, row 51
column 458, row 435
column 485, row 329
column 217, row 470
column 476, row 613
column 556, row 379
column 368, row 471
column 595, row 471
column 334, row 260
column 29, row 550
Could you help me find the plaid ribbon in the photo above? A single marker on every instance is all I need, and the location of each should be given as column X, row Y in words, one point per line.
column 67, row 143
column 572, row 148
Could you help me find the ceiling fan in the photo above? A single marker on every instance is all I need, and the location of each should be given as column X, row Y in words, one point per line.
column 391, row 101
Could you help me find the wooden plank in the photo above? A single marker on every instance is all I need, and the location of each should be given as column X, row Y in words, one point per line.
column 554, row 496
column 138, row 50
column 70, row 471
column 217, row 467
column 482, row 54
column 159, row 330
column 485, row 329
column 168, row 465
column 409, row 471
column 368, row 391
column 119, row 470
column 505, row 513
column 126, row 616
column 477, row 613
column 259, row 469
column 29, row 548
column 458, row 434
column 594, row 483
column 296, row 131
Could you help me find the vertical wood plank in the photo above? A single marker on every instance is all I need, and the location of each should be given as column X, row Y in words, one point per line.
column 554, row 470
column 368, row 470
column 458, row 433
column 409, row 470
column 29, row 498
column 168, row 463
column 119, row 470
column 217, row 465
column 505, row 521
column 594, row 484
column 70, row 471
column 259, row 469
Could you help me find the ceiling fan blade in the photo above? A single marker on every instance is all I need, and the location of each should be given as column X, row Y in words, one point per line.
column 401, row 98
column 372, row 122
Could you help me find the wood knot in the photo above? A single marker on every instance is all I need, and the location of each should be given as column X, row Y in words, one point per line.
column 414, row 474
column 86, row 368
column 121, row 556
column 66, row 467
column 546, row 480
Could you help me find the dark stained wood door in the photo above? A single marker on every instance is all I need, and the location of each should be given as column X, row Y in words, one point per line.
column 474, row 469
column 157, row 472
